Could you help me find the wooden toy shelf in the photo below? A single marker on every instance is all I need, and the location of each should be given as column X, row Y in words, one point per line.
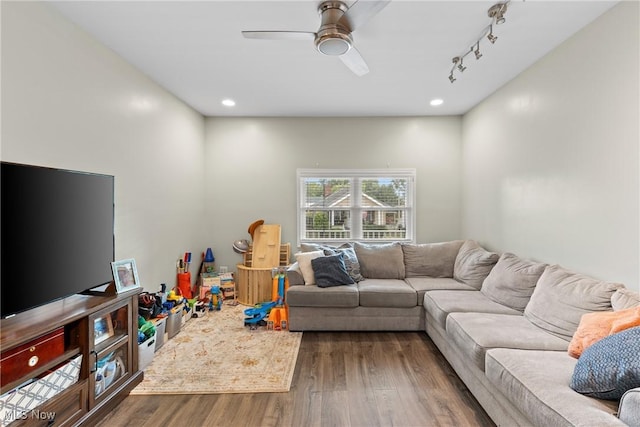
column 285, row 254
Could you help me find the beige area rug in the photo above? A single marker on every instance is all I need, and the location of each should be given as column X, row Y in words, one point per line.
column 218, row 354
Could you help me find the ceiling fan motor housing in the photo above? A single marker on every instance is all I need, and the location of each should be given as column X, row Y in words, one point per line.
column 333, row 38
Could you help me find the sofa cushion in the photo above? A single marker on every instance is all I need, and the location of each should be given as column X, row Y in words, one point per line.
column 475, row 333
column 473, row 264
column 610, row 367
column 595, row 326
column 386, row 293
column 313, row 296
column 561, row 297
column 380, row 261
column 512, row 280
column 304, row 263
column 536, row 383
column 431, row 259
column 330, row 271
column 440, row 303
column 624, row 298
column 426, row 284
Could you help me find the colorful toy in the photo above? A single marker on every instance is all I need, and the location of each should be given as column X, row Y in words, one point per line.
column 256, row 315
column 272, row 314
column 215, row 299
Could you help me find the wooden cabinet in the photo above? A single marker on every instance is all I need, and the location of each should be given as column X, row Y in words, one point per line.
column 101, row 331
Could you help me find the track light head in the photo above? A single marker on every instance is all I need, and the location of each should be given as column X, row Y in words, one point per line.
column 491, row 37
column 477, row 51
column 451, row 78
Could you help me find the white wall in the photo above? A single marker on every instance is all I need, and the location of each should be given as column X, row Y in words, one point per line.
column 251, row 169
column 69, row 102
column 551, row 160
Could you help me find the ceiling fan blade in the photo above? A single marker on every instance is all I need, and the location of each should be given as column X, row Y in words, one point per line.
column 361, row 11
column 355, row 62
column 279, row 35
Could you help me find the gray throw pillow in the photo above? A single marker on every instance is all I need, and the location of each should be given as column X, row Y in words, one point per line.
column 430, row 259
column 330, row 271
column 512, row 281
column 561, row 297
column 473, row 264
column 350, row 260
column 380, row 261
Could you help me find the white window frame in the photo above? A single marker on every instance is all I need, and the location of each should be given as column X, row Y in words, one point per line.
column 357, row 175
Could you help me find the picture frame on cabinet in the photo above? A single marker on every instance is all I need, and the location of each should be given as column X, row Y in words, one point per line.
column 125, row 275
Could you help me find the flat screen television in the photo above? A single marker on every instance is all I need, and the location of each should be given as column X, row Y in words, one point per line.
column 57, row 234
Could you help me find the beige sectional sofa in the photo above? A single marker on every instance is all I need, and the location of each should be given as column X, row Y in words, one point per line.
column 503, row 323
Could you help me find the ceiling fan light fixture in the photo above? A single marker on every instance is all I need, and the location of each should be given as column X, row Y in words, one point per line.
column 334, row 44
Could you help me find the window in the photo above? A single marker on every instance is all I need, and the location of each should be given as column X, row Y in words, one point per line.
column 366, row 205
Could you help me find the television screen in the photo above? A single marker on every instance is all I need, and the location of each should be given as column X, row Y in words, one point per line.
column 57, row 234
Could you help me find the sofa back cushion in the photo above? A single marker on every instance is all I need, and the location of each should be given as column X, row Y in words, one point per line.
column 512, row 281
column 473, row 264
column 380, row 261
column 431, row 259
column 561, row 297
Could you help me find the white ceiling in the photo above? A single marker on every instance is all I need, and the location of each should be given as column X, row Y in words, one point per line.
column 195, row 50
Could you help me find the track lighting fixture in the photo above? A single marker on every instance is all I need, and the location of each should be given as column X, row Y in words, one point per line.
column 496, row 13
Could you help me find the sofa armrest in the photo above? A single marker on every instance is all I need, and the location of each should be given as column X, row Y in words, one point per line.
column 629, row 410
column 294, row 275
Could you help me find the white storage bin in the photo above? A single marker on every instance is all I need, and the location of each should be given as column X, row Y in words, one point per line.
column 160, row 332
column 145, row 352
column 15, row 403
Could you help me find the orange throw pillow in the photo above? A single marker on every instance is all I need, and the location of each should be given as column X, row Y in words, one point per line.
column 595, row 326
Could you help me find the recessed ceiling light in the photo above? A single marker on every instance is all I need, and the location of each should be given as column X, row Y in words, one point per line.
column 228, row 102
column 436, row 102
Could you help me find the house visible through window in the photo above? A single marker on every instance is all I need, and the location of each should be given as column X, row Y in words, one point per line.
column 365, row 205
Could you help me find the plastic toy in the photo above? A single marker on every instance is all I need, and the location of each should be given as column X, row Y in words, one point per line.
column 272, row 314
column 256, row 315
column 215, row 300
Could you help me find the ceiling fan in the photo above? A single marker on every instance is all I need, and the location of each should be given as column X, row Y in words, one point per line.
column 334, row 35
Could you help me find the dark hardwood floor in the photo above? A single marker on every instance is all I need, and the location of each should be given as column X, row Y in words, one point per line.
column 341, row 379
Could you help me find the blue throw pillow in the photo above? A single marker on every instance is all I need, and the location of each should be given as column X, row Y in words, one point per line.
column 609, row 367
column 330, row 271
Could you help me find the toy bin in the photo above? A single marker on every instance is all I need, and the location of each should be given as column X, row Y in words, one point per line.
column 160, row 330
column 146, row 350
column 174, row 323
